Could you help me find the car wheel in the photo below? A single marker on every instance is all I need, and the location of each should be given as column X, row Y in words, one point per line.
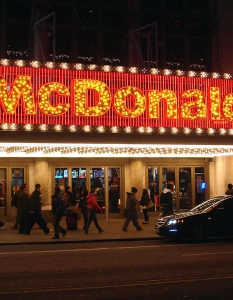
column 199, row 233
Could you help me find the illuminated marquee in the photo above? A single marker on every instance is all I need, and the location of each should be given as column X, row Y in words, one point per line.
column 41, row 96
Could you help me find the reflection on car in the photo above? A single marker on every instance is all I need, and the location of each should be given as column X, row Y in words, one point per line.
column 212, row 218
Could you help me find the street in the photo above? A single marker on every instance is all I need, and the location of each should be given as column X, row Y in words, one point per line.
column 154, row 269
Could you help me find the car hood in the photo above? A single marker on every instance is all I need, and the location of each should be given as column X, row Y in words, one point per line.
column 164, row 220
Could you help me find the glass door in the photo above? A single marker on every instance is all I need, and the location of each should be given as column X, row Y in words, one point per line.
column 61, row 178
column 189, row 185
column 185, row 188
column 114, row 190
column 79, row 179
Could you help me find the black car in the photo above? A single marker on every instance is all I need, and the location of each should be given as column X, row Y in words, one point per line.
column 213, row 217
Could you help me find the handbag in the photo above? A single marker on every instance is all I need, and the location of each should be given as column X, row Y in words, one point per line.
column 76, row 210
column 150, row 204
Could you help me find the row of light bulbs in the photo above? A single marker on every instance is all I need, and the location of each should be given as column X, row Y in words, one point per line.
column 116, row 129
column 120, row 69
column 97, row 150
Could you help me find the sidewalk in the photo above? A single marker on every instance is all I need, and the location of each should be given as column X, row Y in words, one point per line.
column 112, row 232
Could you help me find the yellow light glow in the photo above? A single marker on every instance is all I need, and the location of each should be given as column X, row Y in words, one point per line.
column 154, row 100
column 194, row 109
column 44, row 94
column 139, row 102
column 22, row 87
column 104, row 102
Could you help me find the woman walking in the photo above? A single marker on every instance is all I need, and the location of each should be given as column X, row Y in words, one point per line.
column 144, row 203
column 92, row 207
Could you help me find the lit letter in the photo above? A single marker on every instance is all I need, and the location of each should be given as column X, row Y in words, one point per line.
column 139, row 102
column 227, row 107
column 154, row 99
column 22, row 87
column 44, row 103
column 193, row 109
column 81, row 88
column 215, row 103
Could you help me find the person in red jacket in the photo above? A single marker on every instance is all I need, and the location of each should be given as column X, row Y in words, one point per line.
column 92, row 207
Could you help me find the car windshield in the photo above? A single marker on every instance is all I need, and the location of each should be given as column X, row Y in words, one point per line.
column 208, row 205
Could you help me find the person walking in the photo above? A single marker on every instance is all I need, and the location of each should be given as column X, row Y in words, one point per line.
column 14, row 203
column 35, row 215
column 92, row 207
column 72, row 216
column 59, row 209
column 166, row 200
column 131, row 210
column 83, row 204
column 144, row 203
column 23, row 208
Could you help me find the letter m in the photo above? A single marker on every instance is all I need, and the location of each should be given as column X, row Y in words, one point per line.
column 22, row 87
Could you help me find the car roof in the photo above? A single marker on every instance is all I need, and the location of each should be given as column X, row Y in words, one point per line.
column 206, row 205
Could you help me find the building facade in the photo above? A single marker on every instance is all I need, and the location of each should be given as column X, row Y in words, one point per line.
column 114, row 94
column 114, row 127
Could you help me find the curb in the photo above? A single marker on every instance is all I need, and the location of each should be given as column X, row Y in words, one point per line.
column 79, row 241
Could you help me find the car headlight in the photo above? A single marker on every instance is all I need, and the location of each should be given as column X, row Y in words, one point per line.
column 172, row 222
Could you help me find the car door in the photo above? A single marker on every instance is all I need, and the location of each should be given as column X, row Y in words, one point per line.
column 222, row 218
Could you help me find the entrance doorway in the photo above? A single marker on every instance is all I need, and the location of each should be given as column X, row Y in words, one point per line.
column 189, row 185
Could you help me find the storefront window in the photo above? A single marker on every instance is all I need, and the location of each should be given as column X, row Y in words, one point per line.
column 17, row 177
column 97, row 182
column 61, row 178
column 3, row 187
column 114, row 190
column 79, row 177
column 153, row 186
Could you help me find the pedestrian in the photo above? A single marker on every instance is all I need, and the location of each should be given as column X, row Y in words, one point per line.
column 23, row 208
column 100, row 195
column 83, row 204
column 72, row 216
column 166, row 200
column 59, row 209
column 131, row 210
column 92, row 207
column 2, row 225
column 144, row 204
column 69, row 197
column 229, row 190
column 14, row 203
column 35, row 215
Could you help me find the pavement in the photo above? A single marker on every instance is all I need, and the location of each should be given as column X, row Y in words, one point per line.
column 112, row 232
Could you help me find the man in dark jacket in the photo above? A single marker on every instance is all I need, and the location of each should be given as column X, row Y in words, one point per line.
column 23, row 208
column 35, row 212
column 131, row 210
column 166, row 200
column 59, row 209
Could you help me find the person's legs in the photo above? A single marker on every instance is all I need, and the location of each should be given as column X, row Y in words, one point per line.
column 31, row 220
column 90, row 218
column 42, row 223
column 96, row 222
column 84, row 213
column 57, row 219
column 127, row 221
column 134, row 217
column 146, row 216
